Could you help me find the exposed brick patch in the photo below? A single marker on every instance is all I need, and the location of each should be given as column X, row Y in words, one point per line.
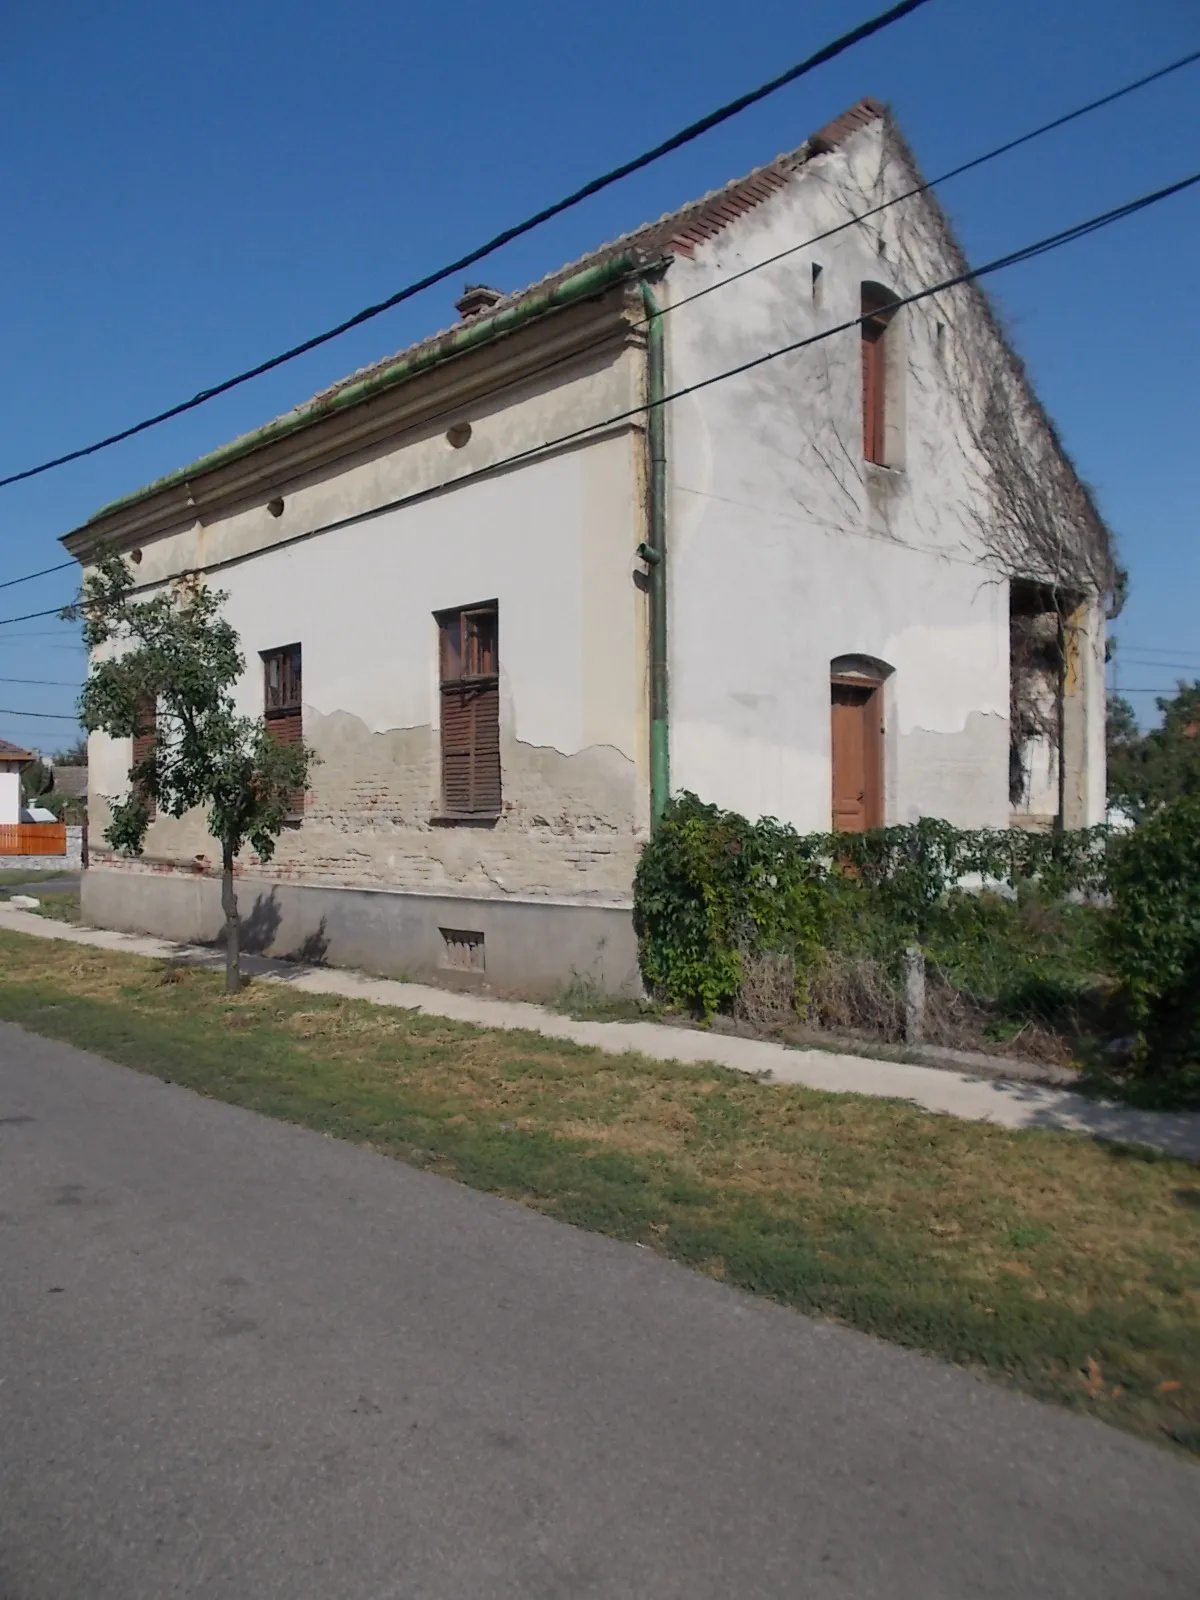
column 569, row 826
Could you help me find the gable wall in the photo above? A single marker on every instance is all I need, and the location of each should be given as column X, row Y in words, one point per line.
column 789, row 550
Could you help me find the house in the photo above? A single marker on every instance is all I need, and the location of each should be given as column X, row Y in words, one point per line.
column 513, row 602
column 71, row 781
column 13, row 761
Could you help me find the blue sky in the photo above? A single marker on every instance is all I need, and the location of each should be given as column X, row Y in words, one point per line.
column 191, row 187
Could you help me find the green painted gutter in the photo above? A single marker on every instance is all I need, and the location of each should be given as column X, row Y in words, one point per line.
column 654, row 553
column 581, row 286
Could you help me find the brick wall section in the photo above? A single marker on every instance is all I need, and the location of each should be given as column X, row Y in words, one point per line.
column 568, row 827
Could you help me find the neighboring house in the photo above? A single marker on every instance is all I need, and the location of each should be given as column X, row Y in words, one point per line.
column 71, row 782
column 855, row 585
column 13, row 761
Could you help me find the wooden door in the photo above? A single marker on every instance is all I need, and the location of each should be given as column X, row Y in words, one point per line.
column 857, row 746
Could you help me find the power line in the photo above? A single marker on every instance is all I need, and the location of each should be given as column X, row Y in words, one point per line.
column 1029, row 252
column 1149, row 652
column 1166, row 666
column 837, row 47
column 30, row 576
column 1014, row 258
column 864, row 216
column 29, row 616
column 45, row 683
column 1155, row 649
column 945, row 177
column 18, row 639
column 15, row 640
column 42, row 716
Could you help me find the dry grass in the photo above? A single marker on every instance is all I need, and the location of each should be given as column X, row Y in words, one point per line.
column 766, row 997
column 1067, row 1267
column 856, row 995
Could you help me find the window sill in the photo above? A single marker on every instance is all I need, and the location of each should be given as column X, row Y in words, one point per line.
column 466, row 819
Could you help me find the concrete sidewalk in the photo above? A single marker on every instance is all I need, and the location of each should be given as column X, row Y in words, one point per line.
column 958, row 1094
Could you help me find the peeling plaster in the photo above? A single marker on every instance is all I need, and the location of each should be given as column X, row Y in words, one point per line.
column 570, row 822
column 942, row 772
column 552, row 541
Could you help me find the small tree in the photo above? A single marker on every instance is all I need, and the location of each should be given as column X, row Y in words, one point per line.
column 36, row 781
column 1154, row 876
column 1146, row 771
column 74, row 755
column 176, row 654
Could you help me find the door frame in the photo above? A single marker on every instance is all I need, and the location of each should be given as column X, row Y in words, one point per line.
column 858, row 672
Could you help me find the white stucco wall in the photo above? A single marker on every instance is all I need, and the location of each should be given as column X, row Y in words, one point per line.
column 552, row 541
column 10, row 794
column 789, row 550
column 362, row 601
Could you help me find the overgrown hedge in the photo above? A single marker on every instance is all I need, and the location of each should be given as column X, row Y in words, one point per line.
column 1028, row 927
column 713, row 888
column 1154, row 877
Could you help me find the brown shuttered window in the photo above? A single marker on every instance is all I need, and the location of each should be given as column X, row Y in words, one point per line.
column 143, row 739
column 470, row 688
column 877, row 310
column 283, row 700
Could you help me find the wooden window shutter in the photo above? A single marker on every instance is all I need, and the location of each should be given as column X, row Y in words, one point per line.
column 470, row 712
column 872, row 374
column 143, row 739
column 283, row 705
column 877, row 311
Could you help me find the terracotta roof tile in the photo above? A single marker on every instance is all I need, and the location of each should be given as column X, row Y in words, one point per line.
column 841, row 128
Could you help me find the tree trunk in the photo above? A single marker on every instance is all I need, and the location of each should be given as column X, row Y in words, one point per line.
column 233, row 971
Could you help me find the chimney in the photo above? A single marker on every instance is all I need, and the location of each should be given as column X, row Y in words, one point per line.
column 476, row 297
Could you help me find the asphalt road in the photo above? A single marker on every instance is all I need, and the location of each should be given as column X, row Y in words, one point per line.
column 67, row 884
column 241, row 1360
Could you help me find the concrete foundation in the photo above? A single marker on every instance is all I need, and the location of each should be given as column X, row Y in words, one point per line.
column 527, row 947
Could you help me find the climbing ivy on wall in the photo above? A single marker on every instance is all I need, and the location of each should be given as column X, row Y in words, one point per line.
column 714, row 889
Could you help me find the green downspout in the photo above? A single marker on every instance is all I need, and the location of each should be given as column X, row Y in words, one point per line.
column 654, row 553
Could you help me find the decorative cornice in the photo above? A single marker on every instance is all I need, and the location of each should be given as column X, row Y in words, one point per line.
column 590, row 314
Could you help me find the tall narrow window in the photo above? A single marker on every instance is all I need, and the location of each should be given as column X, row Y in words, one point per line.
column 470, row 688
column 283, row 704
column 144, row 737
column 878, row 309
